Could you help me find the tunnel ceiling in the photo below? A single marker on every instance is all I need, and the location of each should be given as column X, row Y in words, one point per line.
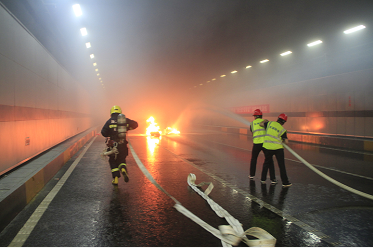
column 155, row 46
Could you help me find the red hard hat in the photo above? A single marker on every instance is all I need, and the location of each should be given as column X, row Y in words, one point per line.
column 257, row 112
column 283, row 116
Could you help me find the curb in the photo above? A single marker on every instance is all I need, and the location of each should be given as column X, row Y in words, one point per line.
column 20, row 186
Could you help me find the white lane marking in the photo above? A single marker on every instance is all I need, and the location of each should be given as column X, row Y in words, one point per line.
column 29, row 226
column 261, row 203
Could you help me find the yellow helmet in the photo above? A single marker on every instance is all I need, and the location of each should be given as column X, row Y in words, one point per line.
column 115, row 109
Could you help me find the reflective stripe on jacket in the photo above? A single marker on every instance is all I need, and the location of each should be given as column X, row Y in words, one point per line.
column 272, row 140
column 258, row 131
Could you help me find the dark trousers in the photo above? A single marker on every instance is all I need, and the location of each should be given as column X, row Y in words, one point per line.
column 254, row 157
column 269, row 164
column 120, row 160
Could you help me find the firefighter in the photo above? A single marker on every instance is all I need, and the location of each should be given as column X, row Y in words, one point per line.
column 116, row 141
column 258, row 138
column 272, row 144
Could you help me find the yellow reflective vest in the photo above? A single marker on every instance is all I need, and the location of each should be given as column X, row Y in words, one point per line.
column 258, row 131
column 272, row 139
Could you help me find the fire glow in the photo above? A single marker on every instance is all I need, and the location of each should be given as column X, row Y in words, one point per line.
column 154, row 130
column 153, row 126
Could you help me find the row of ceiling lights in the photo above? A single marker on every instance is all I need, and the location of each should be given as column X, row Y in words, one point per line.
column 83, row 31
column 351, row 30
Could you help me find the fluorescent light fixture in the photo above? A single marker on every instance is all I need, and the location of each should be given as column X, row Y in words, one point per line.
column 96, row 70
column 83, row 31
column 249, row 66
column 77, row 10
column 233, row 72
column 222, row 75
column 286, row 53
column 351, row 30
column 94, row 64
column 88, row 44
column 264, row 61
column 314, row 43
column 92, row 56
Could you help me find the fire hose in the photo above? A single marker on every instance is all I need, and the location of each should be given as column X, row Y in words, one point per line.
column 327, row 177
column 227, row 234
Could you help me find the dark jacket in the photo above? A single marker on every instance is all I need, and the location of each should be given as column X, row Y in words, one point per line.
column 110, row 127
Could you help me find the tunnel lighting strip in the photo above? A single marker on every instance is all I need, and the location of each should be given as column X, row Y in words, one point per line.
column 348, row 31
column 286, row 53
column 291, row 220
column 314, row 43
column 351, row 30
column 29, row 226
column 83, row 31
column 77, row 10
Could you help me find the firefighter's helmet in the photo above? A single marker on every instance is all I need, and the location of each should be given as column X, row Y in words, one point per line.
column 257, row 112
column 283, row 117
column 115, row 109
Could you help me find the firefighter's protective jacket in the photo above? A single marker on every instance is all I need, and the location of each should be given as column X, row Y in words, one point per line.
column 110, row 128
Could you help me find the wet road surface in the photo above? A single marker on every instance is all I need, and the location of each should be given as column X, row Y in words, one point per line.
column 89, row 211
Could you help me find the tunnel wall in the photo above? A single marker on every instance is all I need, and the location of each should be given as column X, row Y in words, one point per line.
column 41, row 105
column 334, row 105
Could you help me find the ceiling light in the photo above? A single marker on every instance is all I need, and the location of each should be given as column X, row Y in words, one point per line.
column 88, row 44
column 96, row 69
column 233, row 71
column 200, row 84
column 222, row 75
column 263, row 61
column 351, row 30
column 83, row 31
column 77, row 10
column 99, row 79
column 94, row 64
column 98, row 74
column 286, row 53
column 314, row 43
column 213, row 79
column 92, row 56
column 249, row 66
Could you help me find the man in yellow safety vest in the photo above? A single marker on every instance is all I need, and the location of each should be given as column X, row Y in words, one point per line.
column 272, row 144
column 258, row 138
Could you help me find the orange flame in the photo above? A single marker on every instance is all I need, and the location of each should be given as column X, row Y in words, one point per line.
column 153, row 127
column 170, row 130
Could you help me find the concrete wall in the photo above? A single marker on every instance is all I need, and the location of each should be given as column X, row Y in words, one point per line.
column 41, row 105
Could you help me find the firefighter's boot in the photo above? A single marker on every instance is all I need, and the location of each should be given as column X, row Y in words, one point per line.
column 115, row 181
column 123, row 170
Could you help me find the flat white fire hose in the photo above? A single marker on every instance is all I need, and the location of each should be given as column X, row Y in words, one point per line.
column 227, row 234
column 234, row 231
column 327, row 177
